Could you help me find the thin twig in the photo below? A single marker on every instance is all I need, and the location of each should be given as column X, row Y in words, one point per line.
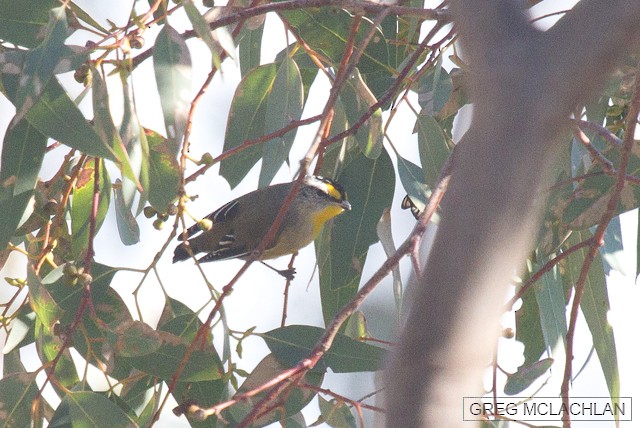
column 598, row 240
column 354, row 6
column 331, row 331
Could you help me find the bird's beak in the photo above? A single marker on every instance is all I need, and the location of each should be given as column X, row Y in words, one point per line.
column 345, row 205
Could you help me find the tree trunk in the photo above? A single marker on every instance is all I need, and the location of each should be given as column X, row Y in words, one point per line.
column 524, row 85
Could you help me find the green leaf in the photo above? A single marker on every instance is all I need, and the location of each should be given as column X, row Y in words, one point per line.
column 250, row 48
column 135, row 141
column 529, row 328
column 357, row 98
column 247, row 122
column 326, row 32
column 104, row 126
column 292, row 343
column 370, row 185
column 434, row 90
column 202, row 29
column 17, row 392
column 57, row 117
column 23, row 150
column 203, row 365
column 336, row 413
column 89, row 409
column 82, row 205
column 405, row 28
column 295, row 400
column 41, row 302
column 135, row 338
column 552, row 306
column 84, row 16
column 595, row 306
column 284, row 104
column 412, row 179
column 613, row 250
column 109, row 308
column 433, row 148
column 21, row 332
column 308, row 69
column 40, row 62
column 48, row 346
column 172, row 66
column 21, row 22
column 383, row 229
column 128, row 228
column 526, row 375
column 164, row 176
column 206, row 394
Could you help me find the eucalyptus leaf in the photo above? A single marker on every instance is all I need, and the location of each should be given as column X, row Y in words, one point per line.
column 247, row 122
column 164, row 175
column 21, row 22
column 370, row 185
column 250, row 48
column 40, row 62
column 595, row 306
column 17, row 392
column 23, row 151
column 433, row 147
column 82, row 205
column 90, row 409
column 526, row 375
column 292, row 343
column 172, row 66
column 284, row 104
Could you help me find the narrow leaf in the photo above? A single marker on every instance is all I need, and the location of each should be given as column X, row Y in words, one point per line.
column 164, row 178
column 172, row 66
column 247, row 122
column 104, row 126
column 551, row 302
column 82, row 205
column 128, row 228
column 292, row 343
column 433, row 147
column 40, row 300
column 250, row 48
column 23, row 151
column 22, row 22
column 89, row 409
column 284, row 104
column 17, row 392
column 595, row 305
column 296, row 399
column 412, row 179
column 357, row 99
column 526, row 375
column 370, row 185
column 56, row 116
column 40, row 62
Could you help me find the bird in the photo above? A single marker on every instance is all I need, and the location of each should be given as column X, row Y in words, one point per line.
column 237, row 227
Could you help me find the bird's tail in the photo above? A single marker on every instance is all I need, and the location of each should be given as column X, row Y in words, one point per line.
column 181, row 253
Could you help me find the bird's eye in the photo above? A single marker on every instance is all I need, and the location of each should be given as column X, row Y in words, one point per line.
column 320, row 192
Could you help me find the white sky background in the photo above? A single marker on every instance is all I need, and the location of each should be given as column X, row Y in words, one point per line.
column 257, row 297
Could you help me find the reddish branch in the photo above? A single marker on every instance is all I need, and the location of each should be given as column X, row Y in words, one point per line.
column 324, row 344
column 597, row 241
column 85, row 301
column 354, row 6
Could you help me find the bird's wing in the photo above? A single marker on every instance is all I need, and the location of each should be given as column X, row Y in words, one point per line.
column 225, row 212
column 225, row 250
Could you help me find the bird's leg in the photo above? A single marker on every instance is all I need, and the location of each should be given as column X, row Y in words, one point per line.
column 288, row 274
